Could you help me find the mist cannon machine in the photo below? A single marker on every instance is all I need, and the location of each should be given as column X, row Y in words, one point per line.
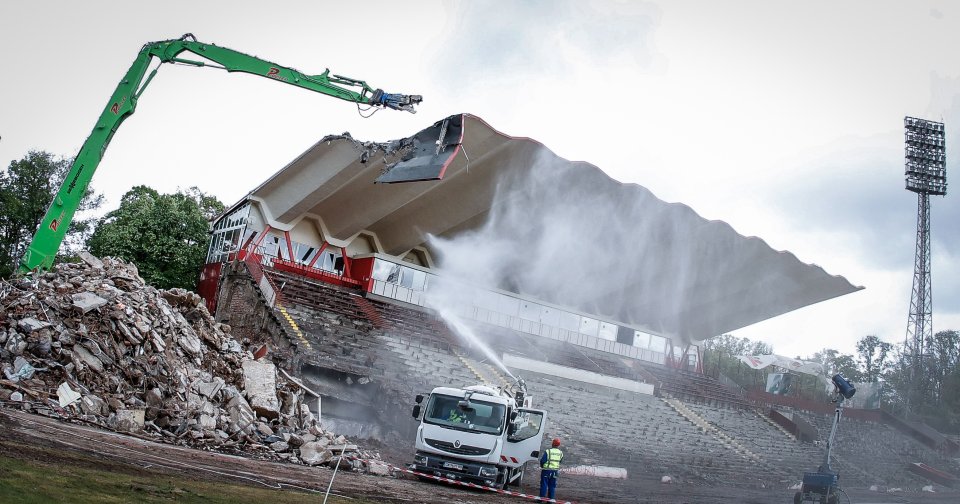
column 823, row 485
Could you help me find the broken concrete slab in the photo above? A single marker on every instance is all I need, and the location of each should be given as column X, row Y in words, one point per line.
column 130, row 420
column 260, row 383
column 30, row 324
column 378, row 468
column 90, row 259
column 93, row 405
column 87, row 358
column 85, row 302
column 315, row 454
column 67, row 395
column 209, row 389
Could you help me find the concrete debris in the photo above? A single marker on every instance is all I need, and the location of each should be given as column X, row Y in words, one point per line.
column 129, row 420
column 91, row 341
column 260, row 382
column 30, row 324
column 85, row 302
column 67, row 395
column 666, row 479
column 90, row 259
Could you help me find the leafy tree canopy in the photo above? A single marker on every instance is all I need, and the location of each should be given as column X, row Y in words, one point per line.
column 165, row 235
column 27, row 187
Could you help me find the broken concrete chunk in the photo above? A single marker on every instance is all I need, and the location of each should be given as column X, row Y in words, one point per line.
column 30, row 324
column 130, row 420
column 22, row 370
column 315, row 454
column 279, row 446
column 260, row 383
column 93, row 405
column 209, row 389
column 189, row 341
column 67, row 395
column 240, row 412
column 207, row 422
column 87, row 358
column 90, row 259
column 154, row 398
column 16, row 396
column 84, row 302
column 378, row 468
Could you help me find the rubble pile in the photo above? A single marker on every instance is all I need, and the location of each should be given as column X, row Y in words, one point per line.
column 90, row 341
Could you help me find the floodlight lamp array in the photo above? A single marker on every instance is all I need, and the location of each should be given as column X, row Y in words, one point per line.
column 925, row 153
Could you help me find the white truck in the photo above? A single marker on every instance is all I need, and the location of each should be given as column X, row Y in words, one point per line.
column 478, row 434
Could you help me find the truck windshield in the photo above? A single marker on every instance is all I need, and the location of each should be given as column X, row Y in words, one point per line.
column 481, row 416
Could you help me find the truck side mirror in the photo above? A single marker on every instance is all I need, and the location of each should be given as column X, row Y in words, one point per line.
column 416, row 411
column 513, row 415
column 419, row 398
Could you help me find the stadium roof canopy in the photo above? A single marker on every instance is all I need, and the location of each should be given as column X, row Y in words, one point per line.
column 654, row 265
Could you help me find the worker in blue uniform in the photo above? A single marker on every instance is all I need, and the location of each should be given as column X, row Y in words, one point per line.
column 549, row 469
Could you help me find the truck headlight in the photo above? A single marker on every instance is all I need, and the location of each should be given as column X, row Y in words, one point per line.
column 420, row 459
column 488, row 471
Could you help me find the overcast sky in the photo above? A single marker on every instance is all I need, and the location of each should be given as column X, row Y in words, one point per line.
column 783, row 119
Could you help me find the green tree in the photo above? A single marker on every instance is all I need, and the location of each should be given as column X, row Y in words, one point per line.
column 27, row 187
column 165, row 235
column 874, row 355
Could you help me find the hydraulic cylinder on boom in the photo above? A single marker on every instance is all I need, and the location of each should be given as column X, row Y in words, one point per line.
column 46, row 241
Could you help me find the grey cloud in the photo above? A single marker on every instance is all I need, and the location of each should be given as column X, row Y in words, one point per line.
column 493, row 37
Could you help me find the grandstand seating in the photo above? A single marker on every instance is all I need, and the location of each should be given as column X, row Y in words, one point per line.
column 408, row 350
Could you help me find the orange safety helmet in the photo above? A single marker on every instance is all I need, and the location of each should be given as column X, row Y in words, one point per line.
column 556, row 442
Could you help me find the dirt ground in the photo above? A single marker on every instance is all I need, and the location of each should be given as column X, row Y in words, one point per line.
column 28, row 437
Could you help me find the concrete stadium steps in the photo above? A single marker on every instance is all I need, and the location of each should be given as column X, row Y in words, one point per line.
column 635, row 431
column 875, row 453
column 690, row 386
column 322, row 297
column 334, row 345
column 412, row 324
column 441, row 367
column 776, row 449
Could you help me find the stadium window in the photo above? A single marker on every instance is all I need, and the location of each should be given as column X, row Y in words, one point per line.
column 270, row 245
column 406, row 277
column 382, row 269
column 419, row 280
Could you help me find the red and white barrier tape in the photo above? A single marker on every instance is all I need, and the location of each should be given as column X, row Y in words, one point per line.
column 466, row 483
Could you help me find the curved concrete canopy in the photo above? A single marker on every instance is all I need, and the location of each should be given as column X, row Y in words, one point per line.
column 663, row 268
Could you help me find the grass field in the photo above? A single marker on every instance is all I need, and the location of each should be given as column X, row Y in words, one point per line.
column 37, row 482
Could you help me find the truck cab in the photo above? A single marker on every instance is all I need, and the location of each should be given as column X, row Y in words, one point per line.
column 477, row 434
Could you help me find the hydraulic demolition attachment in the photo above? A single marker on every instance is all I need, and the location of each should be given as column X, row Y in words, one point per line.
column 42, row 250
column 823, row 485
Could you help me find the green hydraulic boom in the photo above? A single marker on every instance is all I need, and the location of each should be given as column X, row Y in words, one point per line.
column 53, row 227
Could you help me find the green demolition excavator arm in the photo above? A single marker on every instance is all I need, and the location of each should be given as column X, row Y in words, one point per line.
column 53, row 227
